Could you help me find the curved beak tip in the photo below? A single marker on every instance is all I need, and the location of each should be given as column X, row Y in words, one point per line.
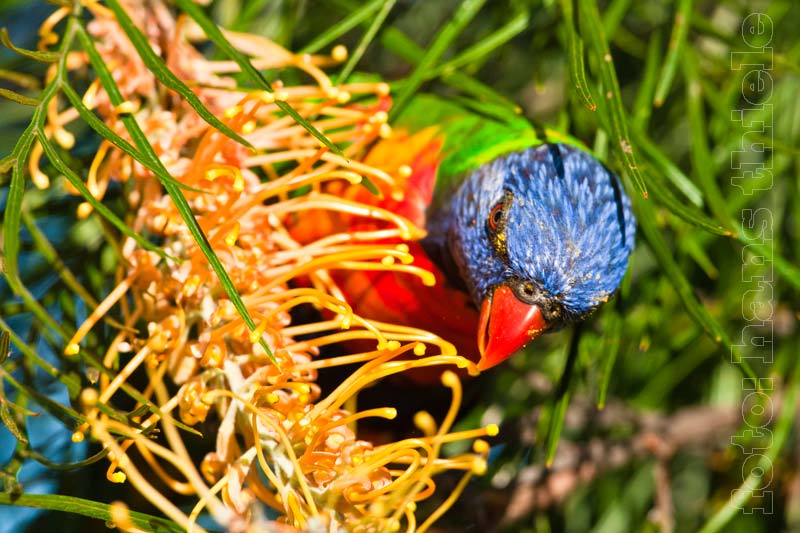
column 506, row 325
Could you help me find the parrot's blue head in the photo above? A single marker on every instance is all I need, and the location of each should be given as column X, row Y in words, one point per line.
column 541, row 238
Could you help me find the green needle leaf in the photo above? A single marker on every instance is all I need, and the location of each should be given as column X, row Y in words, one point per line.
column 216, row 36
column 592, row 26
column 181, row 204
column 677, row 41
column 463, row 15
column 78, row 183
column 5, row 346
column 166, row 76
column 110, row 135
column 100, row 511
column 611, row 342
column 44, row 57
column 8, row 421
column 558, row 409
column 647, row 221
column 766, row 460
column 354, row 58
column 355, row 18
column 577, row 70
column 18, row 98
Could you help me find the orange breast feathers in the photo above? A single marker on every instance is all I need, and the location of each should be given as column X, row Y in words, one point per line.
column 389, row 296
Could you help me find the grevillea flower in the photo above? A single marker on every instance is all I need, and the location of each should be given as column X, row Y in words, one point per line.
column 281, row 443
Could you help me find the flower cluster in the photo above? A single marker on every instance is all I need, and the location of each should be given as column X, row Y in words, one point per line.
column 285, row 453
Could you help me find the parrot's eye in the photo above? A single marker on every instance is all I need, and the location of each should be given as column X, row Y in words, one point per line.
column 499, row 213
column 496, row 216
column 496, row 223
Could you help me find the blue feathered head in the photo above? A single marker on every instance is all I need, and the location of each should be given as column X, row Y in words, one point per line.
column 550, row 226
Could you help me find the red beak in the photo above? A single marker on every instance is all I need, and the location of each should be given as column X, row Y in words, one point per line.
column 506, row 325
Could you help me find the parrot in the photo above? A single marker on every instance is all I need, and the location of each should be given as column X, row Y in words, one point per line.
column 526, row 231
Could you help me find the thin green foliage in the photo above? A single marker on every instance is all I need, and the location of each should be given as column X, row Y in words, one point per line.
column 483, row 47
column 166, row 76
column 365, row 41
column 98, row 206
column 394, row 40
column 181, row 204
column 109, row 135
column 444, row 37
column 577, row 70
column 356, row 17
column 18, row 98
column 700, row 152
column 218, row 38
column 44, row 57
column 611, row 342
column 677, row 42
column 647, row 222
column 764, row 467
column 558, row 407
column 92, row 509
column 16, row 189
column 592, row 28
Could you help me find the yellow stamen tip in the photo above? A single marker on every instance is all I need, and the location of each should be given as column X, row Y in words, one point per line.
column 40, row 179
column 425, row 422
column 449, row 379
column 89, row 397
column 343, row 97
column 84, row 210
column 383, row 89
column 392, row 345
column 428, row 279
column 419, row 349
column 405, row 171
column 78, row 436
column 339, row 53
column 230, row 238
column 480, row 446
column 72, row 349
column 125, row 108
column 249, row 126
column 387, row 261
column 117, row 477
column 232, row 111
column 64, row 138
column 492, row 430
column 479, row 466
column 385, row 131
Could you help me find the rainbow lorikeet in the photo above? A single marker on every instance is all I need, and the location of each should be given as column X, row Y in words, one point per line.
column 525, row 235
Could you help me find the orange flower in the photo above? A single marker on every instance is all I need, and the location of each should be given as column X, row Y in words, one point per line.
column 280, row 441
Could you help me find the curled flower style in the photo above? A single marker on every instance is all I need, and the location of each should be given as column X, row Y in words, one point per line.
column 285, row 453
